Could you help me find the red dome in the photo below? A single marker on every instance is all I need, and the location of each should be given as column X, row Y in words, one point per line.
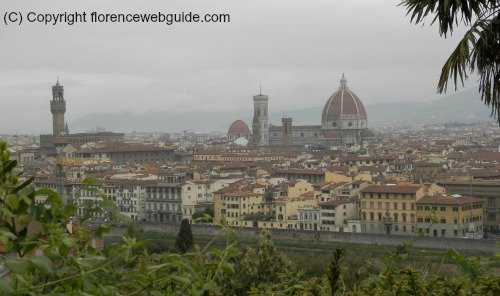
column 239, row 127
column 343, row 102
column 332, row 134
column 366, row 133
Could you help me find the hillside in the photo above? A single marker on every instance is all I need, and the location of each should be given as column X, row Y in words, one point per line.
column 463, row 106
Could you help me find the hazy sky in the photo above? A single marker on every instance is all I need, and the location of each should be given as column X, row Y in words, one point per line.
column 297, row 49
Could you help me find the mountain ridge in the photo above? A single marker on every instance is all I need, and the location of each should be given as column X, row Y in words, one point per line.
column 463, row 106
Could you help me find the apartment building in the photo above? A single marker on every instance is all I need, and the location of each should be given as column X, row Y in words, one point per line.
column 450, row 216
column 390, row 209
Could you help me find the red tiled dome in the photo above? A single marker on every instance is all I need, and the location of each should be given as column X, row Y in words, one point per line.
column 366, row 133
column 332, row 134
column 343, row 102
column 238, row 127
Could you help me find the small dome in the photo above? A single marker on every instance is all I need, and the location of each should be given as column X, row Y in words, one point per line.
column 343, row 102
column 333, row 134
column 366, row 133
column 238, row 127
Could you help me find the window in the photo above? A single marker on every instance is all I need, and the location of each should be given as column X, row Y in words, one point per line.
column 443, row 220
column 442, row 209
column 455, row 209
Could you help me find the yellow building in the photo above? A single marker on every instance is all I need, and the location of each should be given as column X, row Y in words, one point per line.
column 297, row 188
column 241, row 204
column 450, row 216
column 389, row 209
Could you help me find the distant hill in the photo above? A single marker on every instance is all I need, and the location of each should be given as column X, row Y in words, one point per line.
column 464, row 106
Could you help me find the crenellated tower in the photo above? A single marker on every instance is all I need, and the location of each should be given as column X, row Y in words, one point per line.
column 58, row 108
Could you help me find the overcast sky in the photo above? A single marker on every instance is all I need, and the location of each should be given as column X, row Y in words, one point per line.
column 297, row 49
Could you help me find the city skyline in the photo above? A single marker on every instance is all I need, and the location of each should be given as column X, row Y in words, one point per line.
column 109, row 68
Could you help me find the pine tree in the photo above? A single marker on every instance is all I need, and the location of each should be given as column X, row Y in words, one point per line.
column 184, row 240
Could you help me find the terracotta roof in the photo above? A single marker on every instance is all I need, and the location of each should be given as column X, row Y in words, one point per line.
column 448, row 200
column 239, row 127
column 390, row 189
column 333, row 134
column 336, row 202
column 299, row 171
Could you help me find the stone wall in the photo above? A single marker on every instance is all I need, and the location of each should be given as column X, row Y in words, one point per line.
column 470, row 245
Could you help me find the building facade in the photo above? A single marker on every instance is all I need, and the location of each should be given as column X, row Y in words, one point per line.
column 389, row 209
column 450, row 216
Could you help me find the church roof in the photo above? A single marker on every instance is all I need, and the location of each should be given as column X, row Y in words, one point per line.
column 238, row 127
column 343, row 102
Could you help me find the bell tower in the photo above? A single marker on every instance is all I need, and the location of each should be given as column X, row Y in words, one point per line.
column 58, row 108
column 260, row 124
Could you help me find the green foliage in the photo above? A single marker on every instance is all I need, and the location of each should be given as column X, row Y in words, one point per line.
column 185, row 241
column 478, row 50
column 266, row 271
column 204, row 216
column 335, row 270
column 258, row 217
column 67, row 263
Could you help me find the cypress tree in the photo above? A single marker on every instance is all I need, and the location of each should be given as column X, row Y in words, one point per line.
column 184, row 240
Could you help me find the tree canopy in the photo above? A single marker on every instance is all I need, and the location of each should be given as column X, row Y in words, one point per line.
column 185, row 241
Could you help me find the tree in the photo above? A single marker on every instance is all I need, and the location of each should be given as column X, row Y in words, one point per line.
column 479, row 49
column 184, row 242
column 334, row 272
column 269, row 199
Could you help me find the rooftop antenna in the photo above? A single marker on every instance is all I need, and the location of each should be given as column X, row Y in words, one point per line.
column 260, row 89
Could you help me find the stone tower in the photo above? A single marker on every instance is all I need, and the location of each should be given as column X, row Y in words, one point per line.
column 287, row 130
column 260, row 124
column 58, row 108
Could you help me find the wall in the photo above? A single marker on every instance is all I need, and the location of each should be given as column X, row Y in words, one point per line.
column 358, row 238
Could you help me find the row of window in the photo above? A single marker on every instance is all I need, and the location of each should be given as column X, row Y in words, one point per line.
column 395, row 206
column 387, row 195
column 395, row 217
column 164, row 207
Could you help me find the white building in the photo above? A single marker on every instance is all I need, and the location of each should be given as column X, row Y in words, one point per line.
column 308, row 218
column 336, row 214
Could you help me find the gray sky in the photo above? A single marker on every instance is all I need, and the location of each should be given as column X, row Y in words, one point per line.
column 297, row 49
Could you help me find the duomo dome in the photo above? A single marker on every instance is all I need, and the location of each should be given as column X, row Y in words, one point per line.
column 343, row 110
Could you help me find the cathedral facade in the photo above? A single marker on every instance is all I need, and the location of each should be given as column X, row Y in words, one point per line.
column 343, row 122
